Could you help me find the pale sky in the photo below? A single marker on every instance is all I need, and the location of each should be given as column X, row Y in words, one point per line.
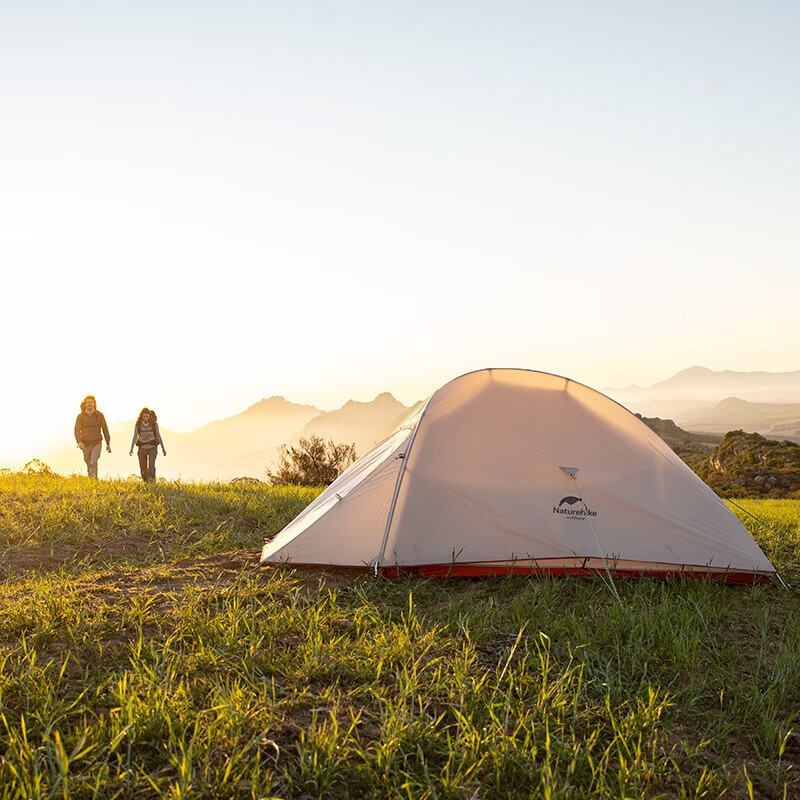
column 207, row 203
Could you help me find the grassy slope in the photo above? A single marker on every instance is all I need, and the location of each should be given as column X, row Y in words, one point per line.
column 142, row 655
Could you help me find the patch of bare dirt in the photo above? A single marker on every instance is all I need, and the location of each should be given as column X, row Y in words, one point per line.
column 49, row 558
column 220, row 569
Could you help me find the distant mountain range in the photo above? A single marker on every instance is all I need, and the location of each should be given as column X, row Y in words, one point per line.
column 699, row 383
column 699, row 399
column 362, row 423
column 246, row 444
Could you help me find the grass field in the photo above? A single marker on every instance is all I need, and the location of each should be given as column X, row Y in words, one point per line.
column 143, row 654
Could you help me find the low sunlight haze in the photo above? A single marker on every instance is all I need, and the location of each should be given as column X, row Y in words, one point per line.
column 401, row 399
column 208, row 204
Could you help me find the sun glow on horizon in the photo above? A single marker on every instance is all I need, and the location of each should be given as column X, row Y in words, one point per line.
column 203, row 209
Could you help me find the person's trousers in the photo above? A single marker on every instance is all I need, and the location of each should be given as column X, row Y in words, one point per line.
column 147, row 462
column 91, row 455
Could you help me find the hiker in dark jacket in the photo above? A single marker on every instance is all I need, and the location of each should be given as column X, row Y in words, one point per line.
column 147, row 438
column 90, row 428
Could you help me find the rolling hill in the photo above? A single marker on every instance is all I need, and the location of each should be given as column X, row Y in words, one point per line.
column 769, row 419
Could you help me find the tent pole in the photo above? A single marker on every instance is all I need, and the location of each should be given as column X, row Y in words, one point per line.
column 379, row 558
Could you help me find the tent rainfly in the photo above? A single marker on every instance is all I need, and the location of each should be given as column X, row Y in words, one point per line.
column 510, row 471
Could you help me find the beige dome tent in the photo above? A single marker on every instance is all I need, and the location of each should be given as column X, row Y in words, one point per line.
column 506, row 471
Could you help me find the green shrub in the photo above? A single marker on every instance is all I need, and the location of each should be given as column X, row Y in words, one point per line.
column 312, row 463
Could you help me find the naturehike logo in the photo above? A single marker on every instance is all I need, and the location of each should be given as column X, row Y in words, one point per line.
column 573, row 513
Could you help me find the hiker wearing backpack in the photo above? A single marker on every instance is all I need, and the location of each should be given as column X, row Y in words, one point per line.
column 147, row 438
column 90, row 428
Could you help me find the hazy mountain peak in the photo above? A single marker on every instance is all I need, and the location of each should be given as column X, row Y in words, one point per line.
column 387, row 399
column 707, row 384
column 730, row 403
column 277, row 404
column 694, row 372
column 383, row 402
column 724, row 377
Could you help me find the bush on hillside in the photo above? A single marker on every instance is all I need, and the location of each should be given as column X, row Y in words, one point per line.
column 748, row 465
column 737, row 464
column 313, row 462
